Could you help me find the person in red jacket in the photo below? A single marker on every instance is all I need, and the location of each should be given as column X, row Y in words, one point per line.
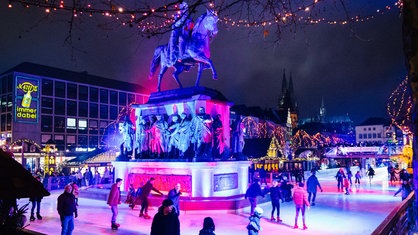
column 113, row 200
column 301, row 200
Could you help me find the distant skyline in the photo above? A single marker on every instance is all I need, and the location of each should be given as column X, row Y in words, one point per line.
column 354, row 71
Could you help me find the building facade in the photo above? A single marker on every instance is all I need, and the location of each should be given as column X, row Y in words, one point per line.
column 73, row 110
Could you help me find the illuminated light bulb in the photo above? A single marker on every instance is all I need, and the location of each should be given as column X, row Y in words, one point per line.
column 10, row 5
column 120, row 9
column 47, row 10
column 307, row 9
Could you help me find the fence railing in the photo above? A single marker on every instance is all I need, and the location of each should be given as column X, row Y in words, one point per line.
column 401, row 219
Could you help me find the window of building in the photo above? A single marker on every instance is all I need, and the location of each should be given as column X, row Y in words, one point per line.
column 70, row 139
column 59, row 140
column 46, row 123
column 374, row 135
column 47, row 87
column 113, row 112
column 94, row 94
column 360, row 136
column 104, row 96
column 374, row 128
column 83, row 92
column 104, row 110
column 3, row 122
column 122, row 98
column 369, row 135
column 93, row 141
column 82, row 126
column 379, row 135
column 71, row 125
column 45, row 138
column 9, row 103
column 131, row 98
column 82, row 141
column 47, row 105
column 94, row 110
column 103, row 127
column 71, row 108
column 93, row 127
column 113, row 97
column 59, row 106
column 72, row 91
column 59, row 124
column 83, row 109
column 3, row 104
column 364, row 129
column 59, row 89
column 8, row 121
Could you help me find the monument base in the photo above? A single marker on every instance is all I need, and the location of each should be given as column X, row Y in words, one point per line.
column 204, row 185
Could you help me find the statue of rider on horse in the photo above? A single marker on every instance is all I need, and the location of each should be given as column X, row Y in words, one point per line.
column 188, row 46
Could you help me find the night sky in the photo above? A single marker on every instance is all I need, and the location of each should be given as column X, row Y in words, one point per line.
column 354, row 69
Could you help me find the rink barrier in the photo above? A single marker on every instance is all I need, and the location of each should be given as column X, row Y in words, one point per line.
column 401, row 220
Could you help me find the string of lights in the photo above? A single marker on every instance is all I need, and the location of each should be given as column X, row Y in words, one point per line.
column 160, row 18
column 399, row 106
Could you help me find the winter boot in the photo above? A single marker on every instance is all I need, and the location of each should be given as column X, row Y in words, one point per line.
column 304, row 227
column 146, row 216
column 38, row 216
column 279, row 220
column 296, row 226
column 141, row 214
column 114, row 226
column 32, row 218
column 273, row 219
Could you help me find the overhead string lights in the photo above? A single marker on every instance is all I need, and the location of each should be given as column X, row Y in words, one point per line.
column 159, row 18
column 399, row 106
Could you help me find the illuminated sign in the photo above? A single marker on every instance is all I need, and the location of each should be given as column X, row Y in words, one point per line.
column 26, row 100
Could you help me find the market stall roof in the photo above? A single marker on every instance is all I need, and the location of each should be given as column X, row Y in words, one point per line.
column 16, row 181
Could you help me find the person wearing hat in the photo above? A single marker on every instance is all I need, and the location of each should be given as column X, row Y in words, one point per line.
column 166, row 221
column 254, row 226
column 146, row 190
column 66, row 209
column 113, row 200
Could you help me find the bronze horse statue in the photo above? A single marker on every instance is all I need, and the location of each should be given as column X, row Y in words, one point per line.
column 196, row 51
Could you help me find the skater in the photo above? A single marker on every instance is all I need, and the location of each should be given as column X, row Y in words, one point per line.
column 174, row 195
column 300, row 199
column 208, row 227
column 346, row 186
column 252, row 192
column 405, row 189
column 36, row 203
column 276, row 197
column 340, row 176
column 253, row 226
column 312, row 184
column 166, row 221
column 113, row 201
column 67, row 209
column 146, row 190
column 370, row 173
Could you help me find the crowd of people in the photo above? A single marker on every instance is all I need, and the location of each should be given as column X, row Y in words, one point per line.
column 166, row 221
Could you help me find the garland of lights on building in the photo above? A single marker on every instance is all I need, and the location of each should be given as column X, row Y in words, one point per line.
column 151, row 18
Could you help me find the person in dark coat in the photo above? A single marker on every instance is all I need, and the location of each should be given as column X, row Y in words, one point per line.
column 252, row 192
column 340, row 177
column 67, row 208
column 146, row 190
column 166, row 221
column 208, row 227
column 254, row 226
column 174, row 195
column 312, row 184
column 276, row 197
column 36, row 203
column 405, row 190
column 113, row 201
